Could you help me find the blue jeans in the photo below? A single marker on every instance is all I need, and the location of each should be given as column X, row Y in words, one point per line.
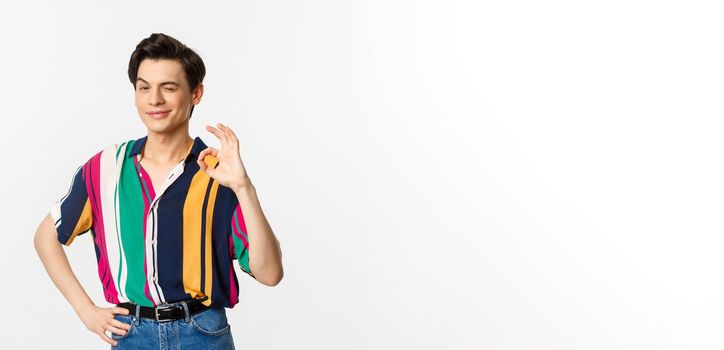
column 207, row 330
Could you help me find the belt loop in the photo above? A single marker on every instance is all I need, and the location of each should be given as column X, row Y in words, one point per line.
column 187, row 315
column 138, row 315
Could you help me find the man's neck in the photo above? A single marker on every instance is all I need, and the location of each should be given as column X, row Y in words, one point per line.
column 166, row 148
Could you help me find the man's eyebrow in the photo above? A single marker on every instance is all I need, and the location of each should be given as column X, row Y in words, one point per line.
column 163, row 83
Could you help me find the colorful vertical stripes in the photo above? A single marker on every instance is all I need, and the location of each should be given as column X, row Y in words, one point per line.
column 156, row 245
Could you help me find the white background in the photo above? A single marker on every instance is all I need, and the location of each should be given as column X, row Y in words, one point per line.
column 441, row 175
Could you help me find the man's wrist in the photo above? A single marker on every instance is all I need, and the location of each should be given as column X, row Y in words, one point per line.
column 243, row 185
column 84, row 306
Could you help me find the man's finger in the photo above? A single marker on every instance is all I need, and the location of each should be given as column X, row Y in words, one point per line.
column 209, row 150
column 220, row 134
column 120, row 324
column 121, row 310
column 230, row 133
column 116, row 330
column 108, row 339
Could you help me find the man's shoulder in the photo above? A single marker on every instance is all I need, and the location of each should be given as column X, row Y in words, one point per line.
column 110, row 150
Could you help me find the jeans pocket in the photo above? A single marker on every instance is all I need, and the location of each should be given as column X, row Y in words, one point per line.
column 211, row 322
column 127, row 320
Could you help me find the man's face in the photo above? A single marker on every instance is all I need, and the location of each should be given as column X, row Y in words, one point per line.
column 161, row 86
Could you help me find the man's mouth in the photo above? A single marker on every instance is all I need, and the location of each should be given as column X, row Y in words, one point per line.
column 158, row 114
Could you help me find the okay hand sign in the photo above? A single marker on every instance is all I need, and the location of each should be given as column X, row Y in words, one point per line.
column 229, row 171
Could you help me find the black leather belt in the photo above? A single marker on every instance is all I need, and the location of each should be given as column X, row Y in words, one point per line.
column 166, row 312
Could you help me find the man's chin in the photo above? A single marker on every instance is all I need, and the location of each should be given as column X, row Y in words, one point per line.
column 162, row 126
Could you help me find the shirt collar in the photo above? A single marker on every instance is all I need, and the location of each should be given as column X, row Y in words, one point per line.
column 196, row 148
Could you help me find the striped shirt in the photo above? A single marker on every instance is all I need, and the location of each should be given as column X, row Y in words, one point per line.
column 156, row 245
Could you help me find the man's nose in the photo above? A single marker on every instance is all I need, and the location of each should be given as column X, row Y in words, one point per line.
column 156, row 98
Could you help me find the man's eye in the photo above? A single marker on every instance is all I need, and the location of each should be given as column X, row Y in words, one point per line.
column 143, row 88
column 170, row 89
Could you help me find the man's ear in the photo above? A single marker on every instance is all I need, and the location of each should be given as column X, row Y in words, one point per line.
column 197, row 93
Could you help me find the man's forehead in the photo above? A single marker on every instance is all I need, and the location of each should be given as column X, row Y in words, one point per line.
column 159, row 71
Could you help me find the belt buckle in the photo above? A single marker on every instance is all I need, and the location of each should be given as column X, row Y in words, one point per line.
column 163, row 307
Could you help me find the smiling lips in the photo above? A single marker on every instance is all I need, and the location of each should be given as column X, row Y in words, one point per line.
column 158, row 113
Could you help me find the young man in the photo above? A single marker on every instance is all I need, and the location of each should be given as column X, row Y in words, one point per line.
column 167, row 216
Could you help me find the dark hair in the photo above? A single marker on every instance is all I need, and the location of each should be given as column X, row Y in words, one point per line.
column 160, row 46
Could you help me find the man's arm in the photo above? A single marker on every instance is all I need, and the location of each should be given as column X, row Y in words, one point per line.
column 225, row 166
column 56, row 263
column 52, row 254
column 265, row 253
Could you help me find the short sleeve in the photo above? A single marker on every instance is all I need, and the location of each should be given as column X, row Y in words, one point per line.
column 72, row 213
column 240, row 240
